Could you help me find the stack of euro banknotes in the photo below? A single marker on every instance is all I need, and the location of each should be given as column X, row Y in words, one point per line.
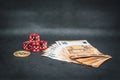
column 76, row 51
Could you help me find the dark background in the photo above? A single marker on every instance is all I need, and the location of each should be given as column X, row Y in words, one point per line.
column 94, row 20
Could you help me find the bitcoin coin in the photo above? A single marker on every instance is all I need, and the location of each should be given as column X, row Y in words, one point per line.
column 21, row 53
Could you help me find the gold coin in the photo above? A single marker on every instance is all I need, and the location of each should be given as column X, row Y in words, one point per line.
column 21, row 53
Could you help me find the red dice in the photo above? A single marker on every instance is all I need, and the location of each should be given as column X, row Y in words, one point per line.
column 35, row 44
column 36, row 48
column 34, row 37
column 44, row 44
column 27, row 45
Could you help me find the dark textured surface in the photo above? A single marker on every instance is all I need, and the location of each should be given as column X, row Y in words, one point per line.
column 94, row 20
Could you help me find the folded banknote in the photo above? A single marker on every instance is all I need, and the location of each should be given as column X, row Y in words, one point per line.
column 76, row 51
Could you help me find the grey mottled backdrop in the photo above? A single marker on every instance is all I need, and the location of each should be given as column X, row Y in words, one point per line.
column 94, row 20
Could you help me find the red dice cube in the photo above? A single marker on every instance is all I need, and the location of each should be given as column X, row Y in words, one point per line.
column 27, row 45
column 34, row 37
column 36, row 48
column 44, row 45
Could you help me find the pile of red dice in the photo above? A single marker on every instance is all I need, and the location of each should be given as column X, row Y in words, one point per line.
column 35, row 44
